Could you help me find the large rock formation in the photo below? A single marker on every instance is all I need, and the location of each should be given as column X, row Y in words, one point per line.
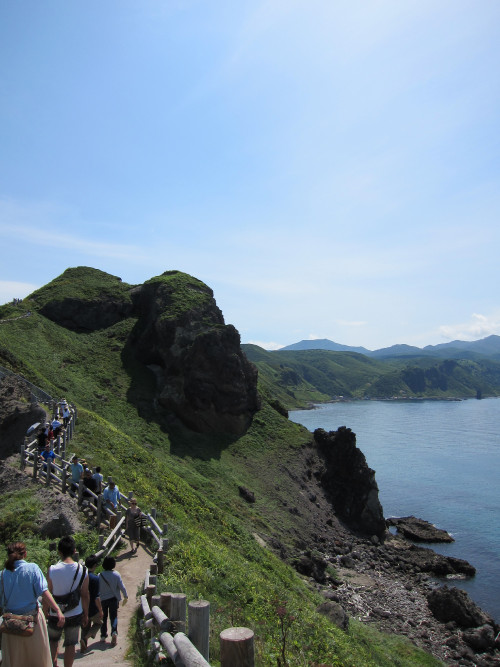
column 349, row 482
column 203, row 377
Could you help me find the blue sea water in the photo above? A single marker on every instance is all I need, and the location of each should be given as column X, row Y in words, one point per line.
column 437, row 460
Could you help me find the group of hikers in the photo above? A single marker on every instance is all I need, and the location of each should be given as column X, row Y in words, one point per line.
column 51, row 429
column 71, row 601
column 75, row 604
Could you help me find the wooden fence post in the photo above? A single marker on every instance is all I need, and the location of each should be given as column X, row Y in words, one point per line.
column 99, row 513
column 160, row 561
column 199, row 625
column 237, row 647
column 64, row 478
column 178, row 611
column 165, row 599
column 35, row 463
column 23, row 456
column 63, row 453
column 80, row 491
column 150, row 591
column 49, row 470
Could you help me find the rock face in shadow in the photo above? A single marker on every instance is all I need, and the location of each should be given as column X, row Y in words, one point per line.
column 17, row 414
column 203, row 377
column 349, row 482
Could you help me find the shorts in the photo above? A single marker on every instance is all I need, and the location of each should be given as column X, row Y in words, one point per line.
column 71, row 630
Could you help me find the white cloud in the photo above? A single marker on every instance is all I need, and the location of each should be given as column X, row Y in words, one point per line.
column 10, row 289
column 479, row 326
column 266, row 345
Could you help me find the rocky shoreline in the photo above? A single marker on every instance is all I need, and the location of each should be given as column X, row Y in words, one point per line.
column 383, row 579
column 397, row 587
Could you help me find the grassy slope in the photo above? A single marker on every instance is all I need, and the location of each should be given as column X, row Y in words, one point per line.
column 193, row 480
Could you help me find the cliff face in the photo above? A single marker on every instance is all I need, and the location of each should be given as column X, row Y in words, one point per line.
column 349, row 482
column 203, row 377
column 202, row 374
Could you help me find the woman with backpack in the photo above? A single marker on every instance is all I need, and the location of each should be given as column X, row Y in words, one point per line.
column 22, row 583
column 111, row 588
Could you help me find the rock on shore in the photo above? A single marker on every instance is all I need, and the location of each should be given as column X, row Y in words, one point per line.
column 419, row 530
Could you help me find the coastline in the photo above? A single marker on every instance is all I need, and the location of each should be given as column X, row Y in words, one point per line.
column 380, row 586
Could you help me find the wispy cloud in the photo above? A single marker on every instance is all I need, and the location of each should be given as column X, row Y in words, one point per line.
column 43, row 237
column 266, row 345
column 479, row 326
column 10, row 289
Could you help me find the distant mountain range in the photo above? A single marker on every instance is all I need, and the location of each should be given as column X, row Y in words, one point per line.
column 488, row 347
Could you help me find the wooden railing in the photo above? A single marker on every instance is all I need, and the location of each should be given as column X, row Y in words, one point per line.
column 165, row 618
column 164, row 615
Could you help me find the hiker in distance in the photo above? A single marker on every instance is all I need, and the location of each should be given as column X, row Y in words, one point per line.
column 133, row 517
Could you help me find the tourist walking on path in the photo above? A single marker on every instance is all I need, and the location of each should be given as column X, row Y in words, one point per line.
column 95, row 607
column 69, row 583
column 22, row 583
column 98, row 479
column 133, row 524
column 112, row 500
column 111, row 588
column 76, row 473
column 47, row 455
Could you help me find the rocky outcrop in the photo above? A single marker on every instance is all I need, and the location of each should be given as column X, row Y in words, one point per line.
column 349, row 482
column 421, row 559
column 454, row 605
column 419, row 530
column 203, row 377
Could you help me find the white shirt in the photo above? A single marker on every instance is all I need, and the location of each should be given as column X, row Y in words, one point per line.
column 61, row 576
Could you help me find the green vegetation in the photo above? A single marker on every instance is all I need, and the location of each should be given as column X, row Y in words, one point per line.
column 88, row 284
column 185, row 293
column 299, row 378
column 193, row 482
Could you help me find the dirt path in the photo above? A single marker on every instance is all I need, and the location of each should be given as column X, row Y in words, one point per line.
column 133, row 570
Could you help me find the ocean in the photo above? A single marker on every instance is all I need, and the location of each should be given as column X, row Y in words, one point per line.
column 437, row 460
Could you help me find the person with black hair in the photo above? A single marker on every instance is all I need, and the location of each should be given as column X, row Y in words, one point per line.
column 69, row 583
column 111, row 588
column 95, row 607
column 22, row 583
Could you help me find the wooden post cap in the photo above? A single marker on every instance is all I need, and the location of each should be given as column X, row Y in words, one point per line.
column 237, row 647
column 236, row 634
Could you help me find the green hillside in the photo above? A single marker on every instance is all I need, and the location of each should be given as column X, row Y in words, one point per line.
column 308, row 376
column 193, row 478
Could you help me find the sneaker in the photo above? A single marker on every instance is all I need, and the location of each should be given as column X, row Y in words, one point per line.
column 114, row 639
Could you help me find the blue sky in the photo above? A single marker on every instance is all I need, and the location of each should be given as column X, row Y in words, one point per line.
column 330, row 168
